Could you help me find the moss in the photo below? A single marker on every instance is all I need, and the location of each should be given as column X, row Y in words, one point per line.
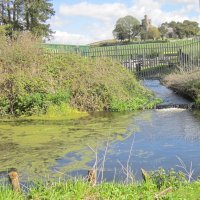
column 36, row 146
column 58, row 112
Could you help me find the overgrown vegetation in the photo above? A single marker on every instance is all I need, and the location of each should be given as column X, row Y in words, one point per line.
column 32, row 81
column 80, row 189
column 185, row 83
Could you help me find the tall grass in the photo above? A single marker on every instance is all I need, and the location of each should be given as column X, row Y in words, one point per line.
column 80, row 189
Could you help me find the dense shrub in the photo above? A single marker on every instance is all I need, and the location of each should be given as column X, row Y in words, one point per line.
column 31, row 80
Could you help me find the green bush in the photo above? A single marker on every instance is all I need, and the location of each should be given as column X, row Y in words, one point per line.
column 38, row 103
column 32, row 80
column 4, row 107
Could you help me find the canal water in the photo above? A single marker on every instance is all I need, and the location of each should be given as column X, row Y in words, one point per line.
column 146, row 139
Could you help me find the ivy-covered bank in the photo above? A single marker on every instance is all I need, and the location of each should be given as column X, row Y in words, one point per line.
column 34, row 82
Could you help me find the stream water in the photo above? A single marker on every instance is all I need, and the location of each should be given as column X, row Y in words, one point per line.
column 149, row 139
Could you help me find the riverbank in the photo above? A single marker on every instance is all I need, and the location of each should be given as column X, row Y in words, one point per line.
column 162, row 185
column 159, row 137
column 185, row 83
column 36, row 83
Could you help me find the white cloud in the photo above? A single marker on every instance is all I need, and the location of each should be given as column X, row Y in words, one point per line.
column 62, row 37
column 102, row 17
column 180, row 1
column 103, row 11
column 58, row 22
column 100, row 29
column 154, row 10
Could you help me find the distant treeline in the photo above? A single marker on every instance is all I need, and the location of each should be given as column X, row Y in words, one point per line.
column 129, row 28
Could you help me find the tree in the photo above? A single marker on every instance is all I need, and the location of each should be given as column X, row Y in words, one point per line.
column 27, row 15
column 163, row 30
column 143, row 34
column 153, row 33
column 120, row 33
column 136, row 30
column 180, row 30
column 37, row 12
column 126, row 28
column 191, row 28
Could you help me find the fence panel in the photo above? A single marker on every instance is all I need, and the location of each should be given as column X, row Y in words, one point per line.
column 146, row 60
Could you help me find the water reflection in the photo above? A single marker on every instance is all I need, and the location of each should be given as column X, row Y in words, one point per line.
column 159, row 140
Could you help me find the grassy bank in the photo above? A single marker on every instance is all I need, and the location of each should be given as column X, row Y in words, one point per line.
column 33, row 82
column 185, row 83
column 80, row 189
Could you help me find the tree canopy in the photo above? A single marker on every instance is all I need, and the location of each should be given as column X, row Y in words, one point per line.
column 26, row 15
column 179, row 30
column 126, row 28
column 153, row 33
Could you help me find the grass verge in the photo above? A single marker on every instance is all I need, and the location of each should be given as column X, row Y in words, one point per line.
column 80, row 189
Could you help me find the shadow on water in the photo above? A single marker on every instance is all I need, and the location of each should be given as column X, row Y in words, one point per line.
column 37, row 148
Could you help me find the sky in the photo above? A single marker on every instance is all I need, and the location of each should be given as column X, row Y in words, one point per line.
column 81, row 22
